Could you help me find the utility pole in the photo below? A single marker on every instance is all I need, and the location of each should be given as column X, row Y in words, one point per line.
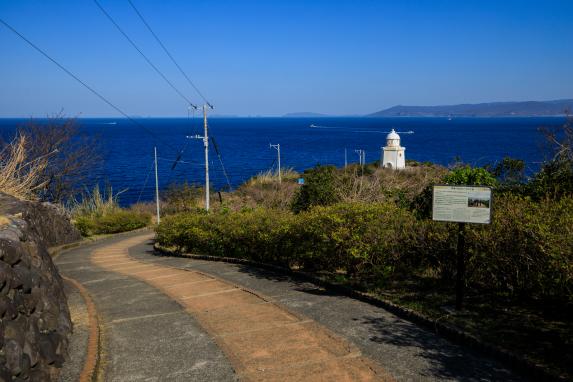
column 278, row 148
column 156, row 187
column 206, row 144
column 205, row 139
column 345, row 159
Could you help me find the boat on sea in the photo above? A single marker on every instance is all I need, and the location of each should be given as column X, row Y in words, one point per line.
column 313, row 125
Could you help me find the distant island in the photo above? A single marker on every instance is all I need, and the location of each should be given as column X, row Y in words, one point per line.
column 492, row 109
column 305, row 114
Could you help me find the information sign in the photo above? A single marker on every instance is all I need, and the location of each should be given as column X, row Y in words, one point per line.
column 462, row 204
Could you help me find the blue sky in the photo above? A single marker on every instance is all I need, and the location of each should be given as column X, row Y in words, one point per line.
column 274, row 57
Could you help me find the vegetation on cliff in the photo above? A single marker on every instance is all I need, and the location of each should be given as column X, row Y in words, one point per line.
column 371, row 229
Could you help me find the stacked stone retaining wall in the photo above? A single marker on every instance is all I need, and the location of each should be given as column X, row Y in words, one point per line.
column 34, row 317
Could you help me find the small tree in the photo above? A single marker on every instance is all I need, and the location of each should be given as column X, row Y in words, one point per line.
column 319, row 189
column 72, row 156
column 555, row 179
column 508, row 171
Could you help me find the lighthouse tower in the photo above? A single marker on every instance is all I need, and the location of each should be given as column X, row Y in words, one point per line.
column 394, row 156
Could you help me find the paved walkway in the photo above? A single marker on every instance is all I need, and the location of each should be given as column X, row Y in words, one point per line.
column 278, row 329
column 146, row 336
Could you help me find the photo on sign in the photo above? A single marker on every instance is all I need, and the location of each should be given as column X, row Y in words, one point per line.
column 478, row 202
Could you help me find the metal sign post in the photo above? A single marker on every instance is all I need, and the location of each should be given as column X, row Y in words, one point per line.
column 461, row 204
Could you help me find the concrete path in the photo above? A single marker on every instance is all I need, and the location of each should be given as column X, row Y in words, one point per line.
column 146, row 336
column 278, row 329
column 263, row 341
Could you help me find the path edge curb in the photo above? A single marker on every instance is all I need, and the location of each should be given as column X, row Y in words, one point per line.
column 516, row 362
column 91, row 369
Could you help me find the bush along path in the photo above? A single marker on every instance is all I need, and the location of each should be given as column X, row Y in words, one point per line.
column 268, row 326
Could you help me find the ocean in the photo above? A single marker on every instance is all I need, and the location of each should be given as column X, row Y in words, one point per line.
column 243, row 143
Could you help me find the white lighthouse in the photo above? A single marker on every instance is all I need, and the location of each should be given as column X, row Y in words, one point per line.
column 394, row 155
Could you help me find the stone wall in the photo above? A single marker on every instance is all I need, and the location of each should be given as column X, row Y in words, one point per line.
column 34, row 317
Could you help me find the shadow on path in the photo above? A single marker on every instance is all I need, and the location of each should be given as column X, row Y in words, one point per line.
column 410, row 352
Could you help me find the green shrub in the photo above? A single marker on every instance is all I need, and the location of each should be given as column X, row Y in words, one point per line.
column 352, row 237
column 357, row 238
column 554, row 180
column 100, row 213
column 257, row 234
column 467, row 175
column 527, row 250
column 121, row 221
column 318, row 190
column 85, row 225
column 113, row 222
column 421, row 204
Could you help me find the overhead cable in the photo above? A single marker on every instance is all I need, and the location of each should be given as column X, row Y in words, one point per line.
column 145, row 183
column 84, row 84
column 143, row 55
column 221, row 161
column 169, row 54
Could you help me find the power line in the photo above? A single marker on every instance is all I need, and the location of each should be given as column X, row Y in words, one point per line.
column 142, row 54
column 221, row 161
column 84, row 84
column 169, row 54
column 145, row 184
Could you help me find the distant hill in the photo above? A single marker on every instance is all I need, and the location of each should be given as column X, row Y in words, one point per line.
column 493, row 109
column 304, row 114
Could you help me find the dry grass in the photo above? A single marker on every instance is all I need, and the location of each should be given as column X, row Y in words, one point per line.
column 384, row 184
column 18, row 176
column 263, row 190
column 95, row 203
column 269, row 177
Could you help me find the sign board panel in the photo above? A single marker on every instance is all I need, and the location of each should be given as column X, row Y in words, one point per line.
column 462, row 204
